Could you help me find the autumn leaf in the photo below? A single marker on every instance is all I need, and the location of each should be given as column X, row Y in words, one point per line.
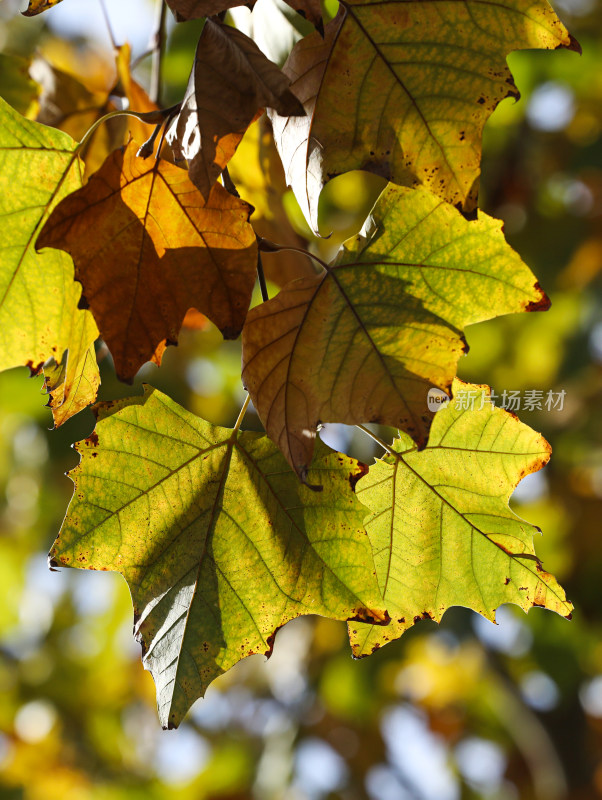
column 184, row 10
column 441, row 529
column 404, row 90
column 43, row 164
column 158, row 249
column 217, row 539
column 364, row 341
column 196, row 9
column 231, row 81
column 37, row 6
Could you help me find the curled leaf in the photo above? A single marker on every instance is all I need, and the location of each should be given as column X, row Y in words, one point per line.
column 231, row 82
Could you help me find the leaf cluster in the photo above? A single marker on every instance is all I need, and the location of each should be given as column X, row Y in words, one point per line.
column 224, row 535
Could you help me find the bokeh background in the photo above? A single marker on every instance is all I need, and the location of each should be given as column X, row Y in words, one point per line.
column 461, row 710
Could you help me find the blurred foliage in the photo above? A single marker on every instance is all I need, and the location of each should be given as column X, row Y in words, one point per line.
column 461, row 710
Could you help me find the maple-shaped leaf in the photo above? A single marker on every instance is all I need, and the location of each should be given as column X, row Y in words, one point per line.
column 157, row 250
column 441, row 529
column 231, row 82
column 37, row 6
column 365, row 340
column 39, row 315
column 217, row 539
column 404, row 90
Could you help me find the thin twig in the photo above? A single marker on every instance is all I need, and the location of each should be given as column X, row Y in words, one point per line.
column 157, row 48
column 108, row 23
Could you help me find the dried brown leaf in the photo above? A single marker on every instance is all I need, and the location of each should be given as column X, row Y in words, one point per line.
column 157, row 250
column 231, row 81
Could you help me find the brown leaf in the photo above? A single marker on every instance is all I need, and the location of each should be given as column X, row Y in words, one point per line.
column 310, row 10
column 184, row 10
column 231, row 81
column 147, row 248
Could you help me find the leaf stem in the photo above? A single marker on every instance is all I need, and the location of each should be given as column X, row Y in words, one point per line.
column 157, row 50
column 148, row 117
column 243, row 411
column 272, row 247
column 261, row 278
column 377, row 439
column 229, row 183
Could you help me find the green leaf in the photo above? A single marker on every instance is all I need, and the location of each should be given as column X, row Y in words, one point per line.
column 366, row 340
column 403, row 89
column 38, row 167
column 441, row 529
column 217, row 539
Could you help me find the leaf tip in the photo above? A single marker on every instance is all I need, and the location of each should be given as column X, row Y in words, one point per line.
column 543, row 302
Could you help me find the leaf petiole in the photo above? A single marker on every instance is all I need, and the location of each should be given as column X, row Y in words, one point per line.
column 242, row 413
column 377, row 439
column 266, row 246
column 157, row 117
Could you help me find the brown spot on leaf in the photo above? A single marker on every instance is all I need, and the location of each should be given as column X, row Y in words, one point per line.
column 362, row 469
column 543, row 304
column 92, row 439
column 507, row 581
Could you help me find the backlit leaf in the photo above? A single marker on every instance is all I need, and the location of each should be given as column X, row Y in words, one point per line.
column 38, row 290
column 37, row 6
column 405, row 90
column 197, row 9
column 441, row 528
column 231, row 81
column 217, row 539
column 158, row 249
column 364, row 341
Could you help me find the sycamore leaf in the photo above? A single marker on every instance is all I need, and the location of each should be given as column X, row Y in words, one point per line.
column 441, row 529
column 36, row 290
column 158, row 249
column 37, row 6
column 364, row 341
column 231, row 81
column 405, row 89
column 217, row 539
